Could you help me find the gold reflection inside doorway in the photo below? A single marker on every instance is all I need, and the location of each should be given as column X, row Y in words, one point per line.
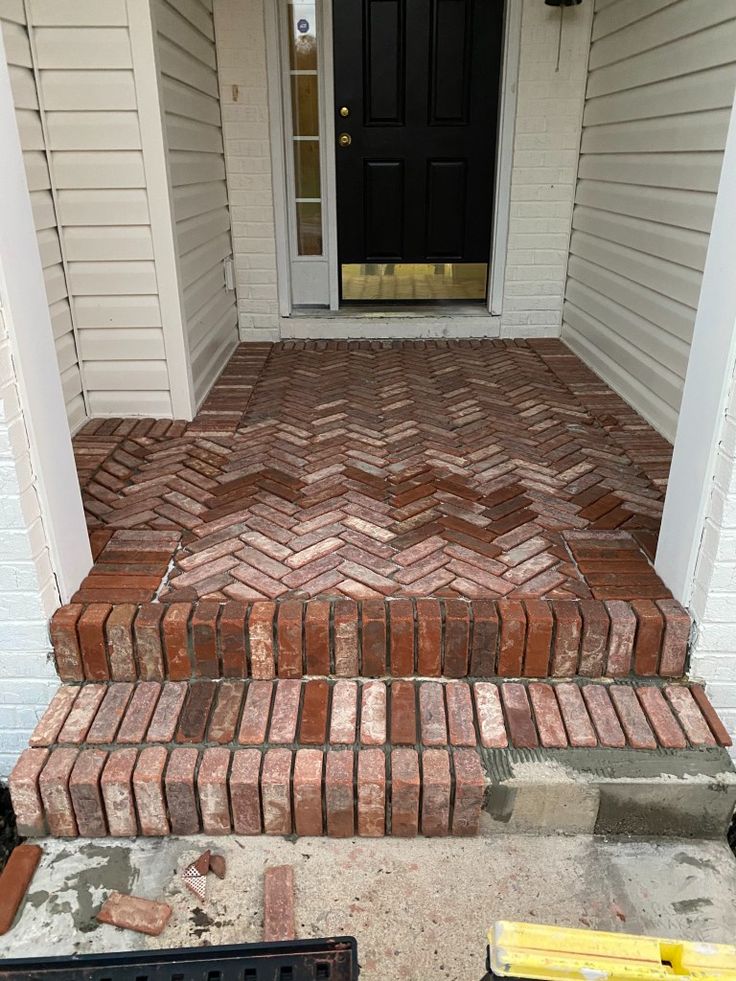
column 407, row 281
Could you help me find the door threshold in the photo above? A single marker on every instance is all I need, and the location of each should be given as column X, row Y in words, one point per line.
column 398, row 311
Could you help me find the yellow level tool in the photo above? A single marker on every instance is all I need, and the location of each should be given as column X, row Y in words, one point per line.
column 547, row 953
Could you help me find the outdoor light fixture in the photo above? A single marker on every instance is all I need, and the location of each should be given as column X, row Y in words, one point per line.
column 561, row 4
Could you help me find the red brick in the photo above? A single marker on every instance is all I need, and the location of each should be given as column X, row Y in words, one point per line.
column 24, row 792
column 149, row 646
column 491, row 725
column 373, row 713
column 512, row 638
column 260, row 634
column 245, row 793
column 668, row 732
column 538, row 639
column 256, row 712
column 134, row 913
column 429, row 638
column 519, row 716
column 175, row 628
column 547, row 714
column 485, row 639
column 317, row 637
column 344, row 715
column 689, row 715
column 405, row 787
column 621, row 640
column 594, row 641
column 82, row 714
column 403, row 713
column 91, row 628
column 120, row 650
column 633, row 720
column 276, row 792
column 603, row 716
column 460, row 714
column 49, row 726
column 278, row 904
column 148, row 791
column 110, row 713
column 347, row 656
column 117, row 793
column 54, row 786
column 339, row 794
column 285, row 711
column 290, row 639
column 371, row 793
column 196, row 712
column 648, row 637
column 432, row 719
column 374, row 639
column 165, row 719
column 225, row 715
column 16, row 878
column 436, row 787
column 231, row 640
column 139, row 712
column 457, row 638
column 401, row 646
column 67, row 654
column 710, row 715
column 568, row 631
column 579, row 727
column 84, row 789
column 204, row 639
column 180, row 794
column 470, row 788
column 315, row 712
column 308, row 792
column 675, row 640
column 212, row 790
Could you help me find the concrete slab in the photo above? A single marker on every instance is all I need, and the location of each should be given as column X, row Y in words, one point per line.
column 418, row 908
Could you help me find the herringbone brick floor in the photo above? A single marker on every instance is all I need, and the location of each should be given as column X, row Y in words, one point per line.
column 375, row 469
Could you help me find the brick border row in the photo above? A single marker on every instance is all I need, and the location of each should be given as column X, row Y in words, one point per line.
column 70, row 792
column 375, row 638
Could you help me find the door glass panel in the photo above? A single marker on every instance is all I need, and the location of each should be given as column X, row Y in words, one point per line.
column 303, row 92
column 407, row 281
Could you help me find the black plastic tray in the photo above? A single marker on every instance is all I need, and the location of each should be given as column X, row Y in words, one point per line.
column 333, row 959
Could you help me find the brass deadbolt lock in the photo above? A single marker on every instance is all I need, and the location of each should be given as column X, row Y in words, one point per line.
column 345, row 139
column 344, row 112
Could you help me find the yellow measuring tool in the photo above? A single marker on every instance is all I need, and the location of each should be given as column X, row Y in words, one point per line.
column 547, row 953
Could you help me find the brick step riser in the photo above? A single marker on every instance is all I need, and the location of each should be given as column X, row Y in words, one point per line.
column 399, row 638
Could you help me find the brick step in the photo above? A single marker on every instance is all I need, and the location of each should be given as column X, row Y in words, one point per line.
column 318, row 756
column 453, row 638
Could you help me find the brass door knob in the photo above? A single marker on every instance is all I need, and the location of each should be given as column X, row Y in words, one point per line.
column 344, row 112
column 344, row 139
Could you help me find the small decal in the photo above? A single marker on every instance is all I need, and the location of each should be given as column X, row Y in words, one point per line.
column 302, row 26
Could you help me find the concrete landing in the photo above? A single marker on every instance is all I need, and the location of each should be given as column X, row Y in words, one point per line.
column 418, row 908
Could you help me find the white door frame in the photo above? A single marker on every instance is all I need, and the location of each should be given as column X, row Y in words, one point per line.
column 501, row 180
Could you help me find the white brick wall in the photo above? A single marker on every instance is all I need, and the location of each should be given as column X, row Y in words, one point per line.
column 548, row 121
column 713, row 603
column 28, row 593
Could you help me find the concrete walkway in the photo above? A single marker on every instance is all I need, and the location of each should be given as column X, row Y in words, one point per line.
column 418, row 908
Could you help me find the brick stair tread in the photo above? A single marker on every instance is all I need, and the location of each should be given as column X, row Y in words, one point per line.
column 279, row 756
column 425, row 636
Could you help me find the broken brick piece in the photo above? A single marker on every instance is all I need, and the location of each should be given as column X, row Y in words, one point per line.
column 134, row 913
column 218, row 865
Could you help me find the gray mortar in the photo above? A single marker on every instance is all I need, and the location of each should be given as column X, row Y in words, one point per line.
column 687, row 793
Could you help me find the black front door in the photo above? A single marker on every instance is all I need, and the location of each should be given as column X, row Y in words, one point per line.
column 416, row 97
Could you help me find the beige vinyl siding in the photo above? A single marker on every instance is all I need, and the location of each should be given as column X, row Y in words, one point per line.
column 20, row 63
column 189, row 94
column 660, row 85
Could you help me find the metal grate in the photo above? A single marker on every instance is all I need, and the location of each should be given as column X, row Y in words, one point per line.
column 334, row 959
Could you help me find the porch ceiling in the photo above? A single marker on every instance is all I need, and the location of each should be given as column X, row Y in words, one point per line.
column 380, row 469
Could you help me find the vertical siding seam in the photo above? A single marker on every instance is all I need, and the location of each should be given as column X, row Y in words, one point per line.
column 30, row 27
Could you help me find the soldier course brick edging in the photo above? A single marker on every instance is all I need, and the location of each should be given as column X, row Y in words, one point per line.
column 427, row 637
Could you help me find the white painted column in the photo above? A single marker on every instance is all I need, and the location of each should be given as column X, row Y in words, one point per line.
column 32, row 368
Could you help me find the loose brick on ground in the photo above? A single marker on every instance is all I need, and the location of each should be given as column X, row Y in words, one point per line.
column 279, row 922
